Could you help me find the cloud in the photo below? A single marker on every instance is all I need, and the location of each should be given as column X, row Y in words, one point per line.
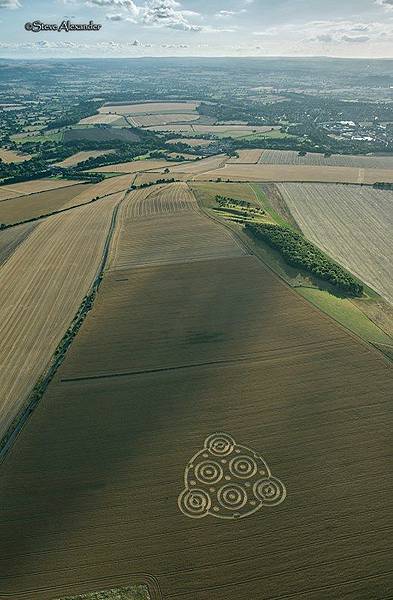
column 229, row 13
column 355, row 39
column 388, row 4
column 167, row 13
column 12, row 4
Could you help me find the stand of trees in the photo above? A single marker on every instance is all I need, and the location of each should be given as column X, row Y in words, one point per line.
column 299, row 252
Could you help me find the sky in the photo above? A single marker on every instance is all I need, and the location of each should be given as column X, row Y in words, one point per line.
column 135, row 28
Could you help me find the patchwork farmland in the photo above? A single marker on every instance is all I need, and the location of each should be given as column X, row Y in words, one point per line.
column 174, row 350
column 350, row 223
column 149, row 108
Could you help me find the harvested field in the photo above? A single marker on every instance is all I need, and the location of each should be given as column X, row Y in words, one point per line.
column 164, row 119
column 159, row 200
column 30, row 206
column 11, row 238
column 153, row 176
column 134, row 166
column 149, row 108
column 112, row 185
column 287, row 157
column 200, row 166
column 98, row 134
column 9, row 156
column 190, row 350
column 163, row 227
column 41, row 288
column 247, row 156
column 101, row 119
column 79, row 157
column 352, row 224
column 33, row 187
column 303, row 173
column 193, row 142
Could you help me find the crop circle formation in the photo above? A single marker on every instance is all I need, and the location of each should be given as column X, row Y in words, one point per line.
column 228, row 481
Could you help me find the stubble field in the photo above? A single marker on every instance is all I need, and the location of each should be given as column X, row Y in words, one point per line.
column 32, row 187
column 287, row 157
column 350, row 223
column 259, row 172
column 30, row 206
column 42, row 286
column 149, row 108
column 79, row 157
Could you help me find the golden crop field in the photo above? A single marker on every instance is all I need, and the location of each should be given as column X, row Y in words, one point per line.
column 30, row 206
column 12, row 237
column 200, row 166
column 10, row 156
column 193, row 142
column 134, row 166
column 99, row 119
column 164, row 227
column 246, row 156
column 79, row 157
column 288, row 157
column 32, row 187
column 164, row 119
column 112, row 185
column 149, row 108
column 42, row 285
column 352, row 224
column 259, row 172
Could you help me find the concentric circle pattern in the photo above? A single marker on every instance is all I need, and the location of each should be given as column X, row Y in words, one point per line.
column 270, row 491
column 194, row 503
column 243, row 466
column 220, row 444
column 232, row 497
column 209, row 472
column 228, row 481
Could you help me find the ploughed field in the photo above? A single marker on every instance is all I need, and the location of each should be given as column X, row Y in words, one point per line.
column 352, row 224
column 171, row 354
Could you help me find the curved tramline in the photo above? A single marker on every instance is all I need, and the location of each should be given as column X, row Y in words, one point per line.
column 41, row 288
column 165, row 226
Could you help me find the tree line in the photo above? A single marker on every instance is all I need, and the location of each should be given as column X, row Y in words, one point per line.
column 300, row 253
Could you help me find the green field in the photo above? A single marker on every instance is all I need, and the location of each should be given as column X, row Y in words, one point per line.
column 49, row 137
column 346, row 313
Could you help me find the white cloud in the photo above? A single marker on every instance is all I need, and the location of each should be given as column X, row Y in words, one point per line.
column 167, row 13
column 12, row 4
column 229, row 13
column 388, row 4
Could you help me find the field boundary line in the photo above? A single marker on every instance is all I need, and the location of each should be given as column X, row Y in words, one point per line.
column 77, row 182
column 37, row 392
